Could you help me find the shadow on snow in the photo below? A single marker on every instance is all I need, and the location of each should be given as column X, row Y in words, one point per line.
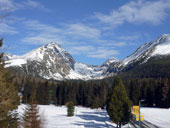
column 94, row 120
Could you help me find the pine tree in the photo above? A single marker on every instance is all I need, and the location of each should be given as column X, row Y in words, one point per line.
column 118, row 106
column 8, row 94
column 70, row 108
column 31, row 117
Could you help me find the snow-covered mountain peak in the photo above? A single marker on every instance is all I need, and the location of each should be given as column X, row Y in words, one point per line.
column 163, row 39
column 52, row 50
column 165, row 36
column 112, row 60
column 160, row 46
column 54, row 46
column 163, row 45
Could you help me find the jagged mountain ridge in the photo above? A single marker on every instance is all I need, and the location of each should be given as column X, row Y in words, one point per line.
column 52, row 62
column 160, row 46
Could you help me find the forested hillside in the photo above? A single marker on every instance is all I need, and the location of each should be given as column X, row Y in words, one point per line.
column 155, row 67
column 94, row 93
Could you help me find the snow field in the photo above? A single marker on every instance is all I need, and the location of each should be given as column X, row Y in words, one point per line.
column 56, row 117
column 157, row 116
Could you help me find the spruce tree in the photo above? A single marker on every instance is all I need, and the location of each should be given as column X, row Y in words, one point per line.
column 31, row 117
column 8, row 94
column 70, row 108
column 118, row 106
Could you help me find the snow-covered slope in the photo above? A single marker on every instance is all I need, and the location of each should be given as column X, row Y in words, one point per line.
column 8, row 56
column 157, row 116
column 163, row 47
column 91, row 72
column 160, row 46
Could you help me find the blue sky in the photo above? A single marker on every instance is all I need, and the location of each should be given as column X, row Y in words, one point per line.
column 92, row 31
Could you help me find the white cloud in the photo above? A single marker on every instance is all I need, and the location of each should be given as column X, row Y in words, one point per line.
column 37, row 26
column 80, row 30
column 7, row 5
column 111, row 43
column 13, row 5
column 6, row 29
column 119, row 44
column 129, row 37
column 77, row 50
column 40, row 39
column 69, row 35
column 139, row 11
column 38, row 32
column 35, row 4
column 103, row 53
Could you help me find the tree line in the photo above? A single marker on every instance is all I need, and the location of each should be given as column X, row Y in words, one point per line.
column 90, row 94
column 156, row 92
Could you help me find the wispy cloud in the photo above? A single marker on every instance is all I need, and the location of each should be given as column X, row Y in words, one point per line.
column 82, row 31
column 39, row 33
column 34, row 4
column 7, row 5
column 103, row 53
column 93, row 52
column 69, row 35
column 139, row 11
column 6, row 29
column 129, row 37
column 84, row 38
column 40, row 39
column 37, row 26
column 13, row 5
column 117, row 44
column 77, row 50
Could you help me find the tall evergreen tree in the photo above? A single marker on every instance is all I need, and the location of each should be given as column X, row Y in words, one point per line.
column 118, row 106
column 31, row 117
column 8, row 94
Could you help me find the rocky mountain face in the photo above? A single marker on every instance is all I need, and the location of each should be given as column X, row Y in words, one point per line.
column 52, row 62
column 48, row 61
